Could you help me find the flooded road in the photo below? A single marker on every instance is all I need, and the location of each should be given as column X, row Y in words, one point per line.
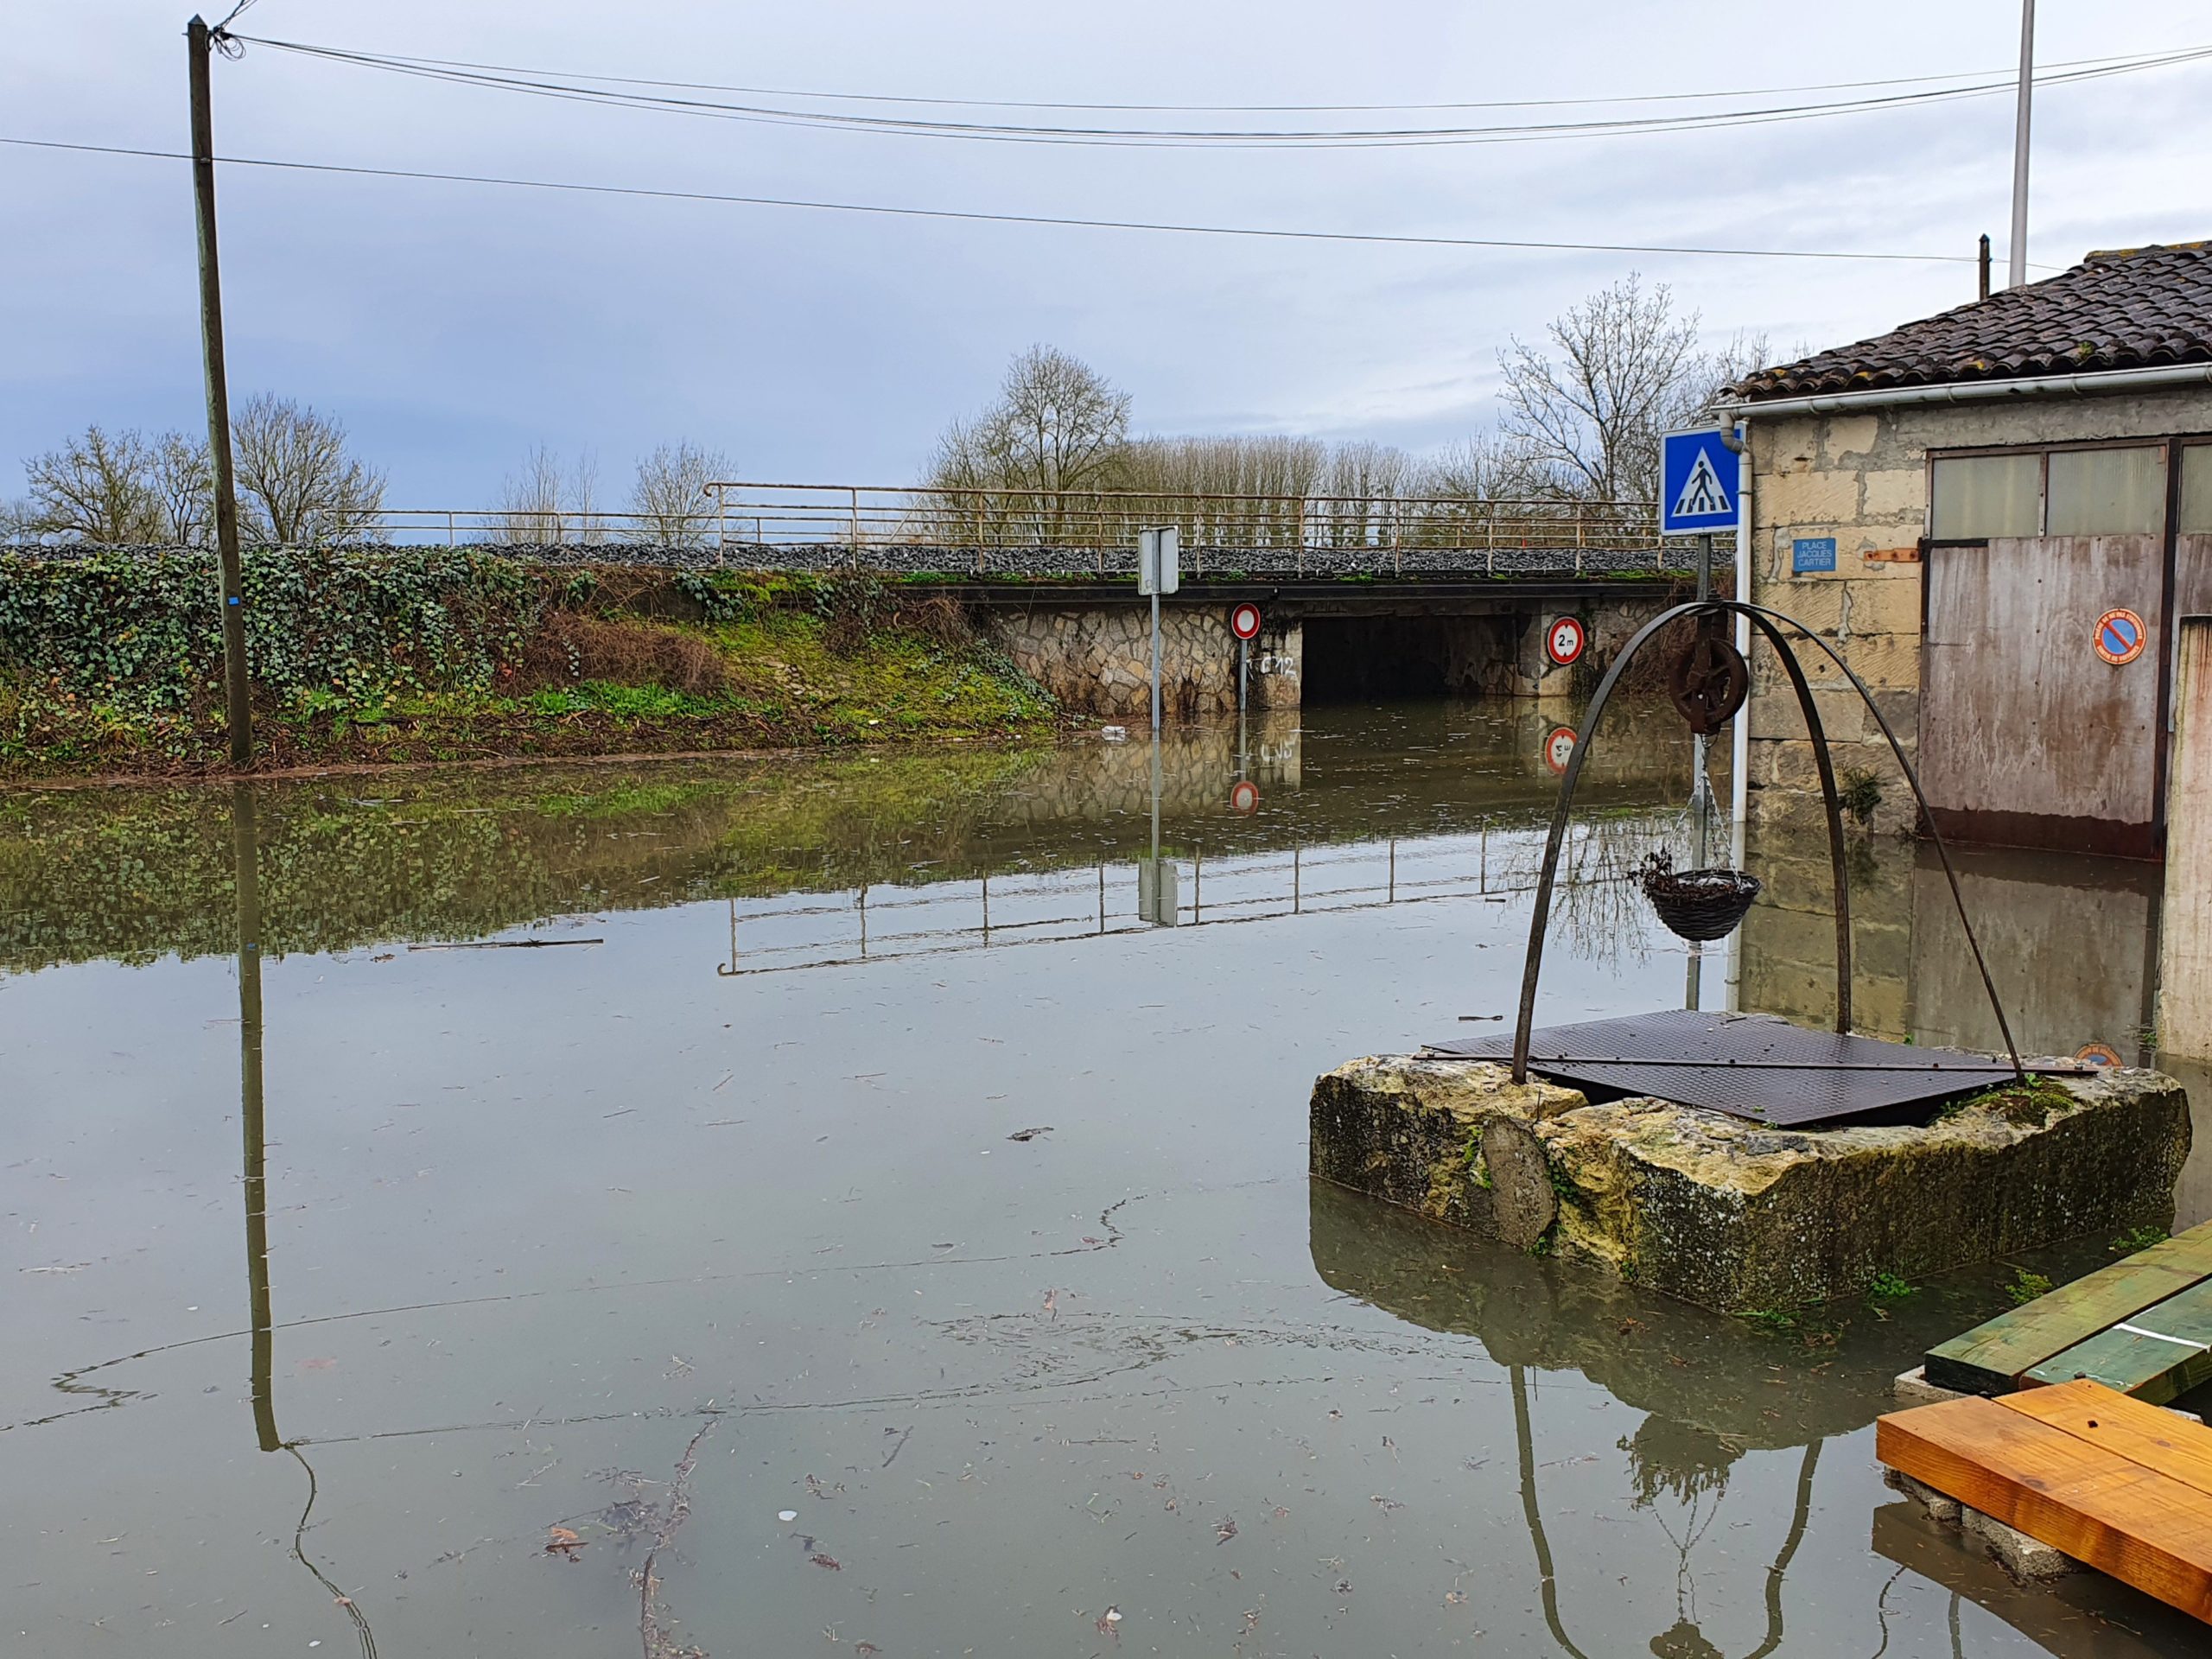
column 807, row 1207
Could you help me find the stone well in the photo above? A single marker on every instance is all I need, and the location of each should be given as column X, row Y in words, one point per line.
column 1741, row 1217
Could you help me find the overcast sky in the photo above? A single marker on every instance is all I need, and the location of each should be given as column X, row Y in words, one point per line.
column 453, row 327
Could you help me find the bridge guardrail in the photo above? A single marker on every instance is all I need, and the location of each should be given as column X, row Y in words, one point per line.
column 988, row 530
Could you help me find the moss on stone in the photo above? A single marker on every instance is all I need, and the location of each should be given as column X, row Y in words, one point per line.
column 1739, row 1217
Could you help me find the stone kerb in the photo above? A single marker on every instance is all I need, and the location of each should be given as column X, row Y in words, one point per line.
column 1736, row 1216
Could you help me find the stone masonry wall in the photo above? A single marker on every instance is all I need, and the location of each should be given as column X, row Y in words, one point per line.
column 1862, row 478
column 1098, row 659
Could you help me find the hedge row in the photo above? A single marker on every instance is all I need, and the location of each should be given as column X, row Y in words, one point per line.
column 143, row 630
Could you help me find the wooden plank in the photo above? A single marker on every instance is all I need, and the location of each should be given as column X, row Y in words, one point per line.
column 2157, row 1355
column 2019, row 717
column 2143, row 1528
column 2160, row 1441
column 1996, row 1356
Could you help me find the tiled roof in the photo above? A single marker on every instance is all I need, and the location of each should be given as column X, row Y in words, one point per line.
column 2125, row 308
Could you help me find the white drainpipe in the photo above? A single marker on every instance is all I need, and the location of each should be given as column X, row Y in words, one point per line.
column 1977, row 391
column 1738, row 437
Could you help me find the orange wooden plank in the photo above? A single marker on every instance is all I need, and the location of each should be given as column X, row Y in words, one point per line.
column 2142, row 1526
column 2104, row 1418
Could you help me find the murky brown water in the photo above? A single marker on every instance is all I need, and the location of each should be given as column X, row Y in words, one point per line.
column 722, row 1245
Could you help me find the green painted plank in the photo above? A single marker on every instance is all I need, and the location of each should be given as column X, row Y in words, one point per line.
column 2157, row 1355
column 1993, row 1358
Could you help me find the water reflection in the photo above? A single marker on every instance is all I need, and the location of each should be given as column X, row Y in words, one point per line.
column 997, row 1270
column 254, row 1184
column 1710, row 1400
column 2072, row 941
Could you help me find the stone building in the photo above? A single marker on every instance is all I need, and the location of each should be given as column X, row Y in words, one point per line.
column 1996, row 516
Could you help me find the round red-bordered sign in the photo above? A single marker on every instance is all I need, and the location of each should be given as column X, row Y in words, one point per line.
column 1559, row 747
column 2121, row 637
column 2098, row 1054
column 1244, row 797
column 1564, row 639
column 1245, row 620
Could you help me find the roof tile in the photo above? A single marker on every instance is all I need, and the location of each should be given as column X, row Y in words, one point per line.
column 2122, row 309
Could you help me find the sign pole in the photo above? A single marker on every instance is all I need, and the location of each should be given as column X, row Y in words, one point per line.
column 1155, row 661
column 1244, row 672
column 199, row 47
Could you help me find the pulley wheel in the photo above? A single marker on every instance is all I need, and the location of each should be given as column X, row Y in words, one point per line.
column 1709, row 682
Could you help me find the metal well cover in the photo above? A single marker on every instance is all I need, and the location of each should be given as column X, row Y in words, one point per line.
column 1751, row 1065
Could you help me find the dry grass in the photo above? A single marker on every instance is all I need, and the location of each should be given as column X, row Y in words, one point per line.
column 571, row 647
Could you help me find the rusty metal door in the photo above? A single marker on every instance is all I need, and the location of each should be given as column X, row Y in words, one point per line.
column 2029, row 737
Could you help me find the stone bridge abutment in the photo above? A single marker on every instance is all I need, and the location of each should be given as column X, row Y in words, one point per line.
column 1318, row 643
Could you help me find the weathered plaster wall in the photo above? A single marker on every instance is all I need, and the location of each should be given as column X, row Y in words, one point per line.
column 1097, row 658
column 1862, row 478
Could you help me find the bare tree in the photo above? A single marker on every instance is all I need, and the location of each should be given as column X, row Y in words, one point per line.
column 1486, row 469
column 1057, row 430
column 18, row 521
column 298, row 485
column 544, row 502
column 95, row 489
column 183, row 477
column 670, row 497
column 1626, row 367
column 1363, row 486
column 530, row 501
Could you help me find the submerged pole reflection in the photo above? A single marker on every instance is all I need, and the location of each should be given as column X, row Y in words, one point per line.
column 246, row 853
column 246, row 856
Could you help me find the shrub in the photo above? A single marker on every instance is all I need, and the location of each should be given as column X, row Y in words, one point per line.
column 570, row 647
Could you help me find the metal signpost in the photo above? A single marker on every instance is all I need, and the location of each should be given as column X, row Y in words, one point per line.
column 1698, row 477
column 1244, row 623
column 1159, row 571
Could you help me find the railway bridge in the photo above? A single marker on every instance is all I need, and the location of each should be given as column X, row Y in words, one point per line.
column 1376, row 596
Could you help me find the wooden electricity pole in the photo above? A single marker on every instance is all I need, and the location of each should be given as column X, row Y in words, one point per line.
column 200, row 46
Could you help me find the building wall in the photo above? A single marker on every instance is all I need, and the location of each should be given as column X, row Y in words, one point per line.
column 1862, row 478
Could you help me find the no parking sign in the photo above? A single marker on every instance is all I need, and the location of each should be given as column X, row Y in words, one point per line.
column 2121, row 637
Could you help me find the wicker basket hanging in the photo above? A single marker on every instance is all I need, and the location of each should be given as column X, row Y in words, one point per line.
column 1698, row 904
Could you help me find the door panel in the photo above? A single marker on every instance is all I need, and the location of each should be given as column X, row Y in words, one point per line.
column 2192, row 575
column 2027, row 736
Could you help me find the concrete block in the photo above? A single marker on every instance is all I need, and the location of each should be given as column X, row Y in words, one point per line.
column 1912, row 1388
column 1944, row 1512
column 1729, row 1214
column 2026, row 1558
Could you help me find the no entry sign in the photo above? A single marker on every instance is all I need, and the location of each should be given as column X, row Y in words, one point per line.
column 1564, row 640
column 2121, row 637
column 1559, row 747
column 1244, row 797
column 1245, row 620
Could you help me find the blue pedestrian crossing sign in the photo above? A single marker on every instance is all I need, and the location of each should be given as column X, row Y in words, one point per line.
column 1697, row 482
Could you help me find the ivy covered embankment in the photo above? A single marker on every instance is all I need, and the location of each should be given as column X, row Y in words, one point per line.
column 112, row 661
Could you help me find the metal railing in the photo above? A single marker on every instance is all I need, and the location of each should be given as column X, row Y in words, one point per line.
column 879, row 922
column 990, row 529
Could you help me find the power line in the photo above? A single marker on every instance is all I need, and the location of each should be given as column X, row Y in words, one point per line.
column 1129, row 138
column 2123, row 60
column 977, row 217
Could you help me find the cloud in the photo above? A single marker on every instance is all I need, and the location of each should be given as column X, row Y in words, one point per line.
column 453, row 327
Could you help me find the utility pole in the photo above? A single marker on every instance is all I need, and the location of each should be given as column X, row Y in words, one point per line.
column 199, row 44
column 1984, row 285
column 2017, row 272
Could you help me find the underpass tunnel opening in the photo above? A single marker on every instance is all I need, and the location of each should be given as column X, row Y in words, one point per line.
column 1361, row 659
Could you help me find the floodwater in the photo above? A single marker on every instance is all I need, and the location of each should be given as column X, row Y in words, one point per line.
column 806, row 1207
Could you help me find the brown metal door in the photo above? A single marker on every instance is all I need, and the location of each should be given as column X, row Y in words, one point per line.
column 2028, row 737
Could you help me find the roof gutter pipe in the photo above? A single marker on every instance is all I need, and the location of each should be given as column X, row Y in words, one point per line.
column 1977, row 391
